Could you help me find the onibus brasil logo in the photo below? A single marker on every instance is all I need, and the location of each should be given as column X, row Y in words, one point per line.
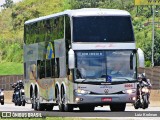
column 21, row 115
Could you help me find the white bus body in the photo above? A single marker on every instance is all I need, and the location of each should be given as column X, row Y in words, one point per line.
column 81, row 58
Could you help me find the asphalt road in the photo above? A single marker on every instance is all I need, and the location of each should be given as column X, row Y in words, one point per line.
column 99, row 111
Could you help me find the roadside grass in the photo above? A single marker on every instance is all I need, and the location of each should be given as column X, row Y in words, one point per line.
column 73, row 118
column 56, row 118
column 11, row 68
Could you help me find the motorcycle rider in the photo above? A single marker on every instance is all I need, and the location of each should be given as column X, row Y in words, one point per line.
column 14, row 87
column 142, row 78
column 21, row 84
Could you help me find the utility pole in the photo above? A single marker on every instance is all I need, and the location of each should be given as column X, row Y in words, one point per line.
column 153, row 10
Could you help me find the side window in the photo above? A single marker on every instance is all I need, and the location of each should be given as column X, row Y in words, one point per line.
column 67, row 39
column 25, row 76
column 41, row 69
column 67, row 29
column 61, row 27
column 57, row 68
column 36, row 32
column 58, row 27
column 42, row 31
column 48, row 68
column 25, row 34
column 29, row 31
column 38, row 68
column 48, row 30
column 31, row 34
column 53, row 67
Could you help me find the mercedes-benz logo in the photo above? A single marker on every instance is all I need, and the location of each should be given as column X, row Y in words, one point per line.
column 106, row 91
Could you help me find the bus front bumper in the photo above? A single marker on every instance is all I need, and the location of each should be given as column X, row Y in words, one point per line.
column 105, row 99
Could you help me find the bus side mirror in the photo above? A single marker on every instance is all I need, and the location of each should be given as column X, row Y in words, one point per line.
column 131, row 61
column 140, row 57
column 71, row 59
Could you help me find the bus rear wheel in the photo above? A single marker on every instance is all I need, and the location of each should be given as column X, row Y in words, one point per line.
column 39, row 106
column 118, row 107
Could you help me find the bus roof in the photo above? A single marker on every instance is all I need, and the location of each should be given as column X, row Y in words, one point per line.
column 84, row 12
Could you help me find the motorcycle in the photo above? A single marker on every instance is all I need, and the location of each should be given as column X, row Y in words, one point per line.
column 22, row 93
column 19, row 94
column 2, row 96
column 143, row 97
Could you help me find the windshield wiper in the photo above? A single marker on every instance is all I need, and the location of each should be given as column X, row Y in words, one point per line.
column 125, row 79
column 90, row 80
column 80, row 80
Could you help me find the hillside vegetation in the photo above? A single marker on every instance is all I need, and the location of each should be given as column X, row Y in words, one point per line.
column 10, row 68
column 13, row 18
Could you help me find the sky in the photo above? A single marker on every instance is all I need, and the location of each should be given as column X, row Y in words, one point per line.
column 3, row 1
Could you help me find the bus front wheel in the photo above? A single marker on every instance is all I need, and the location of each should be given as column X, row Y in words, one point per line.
column 118, row 107
column 39, row 106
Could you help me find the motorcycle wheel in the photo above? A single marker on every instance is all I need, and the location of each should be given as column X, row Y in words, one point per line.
column 15, row 102
column 145, row 102
column 23, row 103
column 136, row 105
column 19, row 103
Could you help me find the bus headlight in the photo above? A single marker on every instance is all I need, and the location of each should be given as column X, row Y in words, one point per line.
column 79, row 91
column 129, row 91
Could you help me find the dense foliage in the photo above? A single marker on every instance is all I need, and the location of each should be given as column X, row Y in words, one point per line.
column 12, row 20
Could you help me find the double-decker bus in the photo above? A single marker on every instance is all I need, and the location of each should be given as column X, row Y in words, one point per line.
column 81, row 58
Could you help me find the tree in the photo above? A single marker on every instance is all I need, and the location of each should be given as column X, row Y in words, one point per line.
column 77, row 4
column 148, row 51
column 157, row 49
column 7, row 4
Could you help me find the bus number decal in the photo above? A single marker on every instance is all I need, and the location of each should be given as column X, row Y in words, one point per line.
column 128, row 85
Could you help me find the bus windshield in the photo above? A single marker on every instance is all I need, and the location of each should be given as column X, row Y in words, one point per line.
column 102, row 29
column 104, row 66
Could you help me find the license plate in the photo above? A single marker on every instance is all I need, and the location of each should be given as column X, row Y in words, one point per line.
column 106, row 99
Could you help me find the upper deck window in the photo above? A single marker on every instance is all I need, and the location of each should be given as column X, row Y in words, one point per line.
column 102, row 29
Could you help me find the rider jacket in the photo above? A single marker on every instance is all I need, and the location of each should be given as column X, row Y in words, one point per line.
column 147, row 81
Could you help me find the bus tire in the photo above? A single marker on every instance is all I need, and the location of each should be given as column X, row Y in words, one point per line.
column 61, row 107
column 59, row 102
column 34, row 105
column 118, row 107
column 67, row 107
column 32, row 100
column 39, row 106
